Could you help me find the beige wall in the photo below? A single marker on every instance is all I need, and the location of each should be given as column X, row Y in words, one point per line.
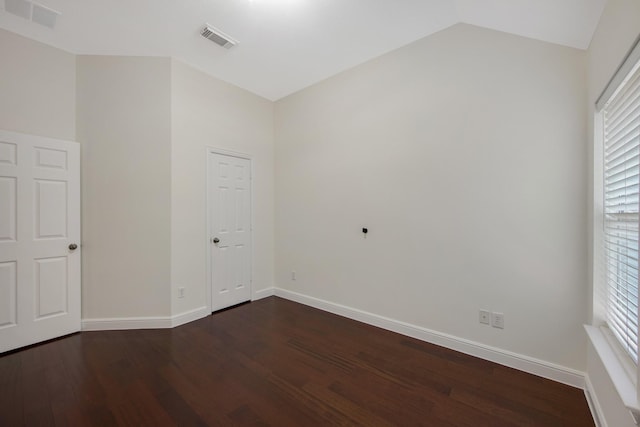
column 618, row 28
column 146, row 123
column 124, row 125
column 207, row 112
column 37, row 88
column 464, row 154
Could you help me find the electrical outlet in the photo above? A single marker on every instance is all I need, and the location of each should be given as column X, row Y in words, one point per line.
column 497, row 320
column 181, row 292
column 485, row 317
column 293, row 275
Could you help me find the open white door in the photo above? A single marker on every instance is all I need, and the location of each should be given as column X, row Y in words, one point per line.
column 39, row 239
column 229, row 214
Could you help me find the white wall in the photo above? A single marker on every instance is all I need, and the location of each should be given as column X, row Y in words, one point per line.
column 207, row 112
column 464, row 154
column 124, row 125
column 37, row 87
column 618, row 28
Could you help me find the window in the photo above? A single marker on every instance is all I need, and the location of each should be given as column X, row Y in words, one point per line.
column 620, row 115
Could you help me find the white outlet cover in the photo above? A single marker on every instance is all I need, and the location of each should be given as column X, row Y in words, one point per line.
column 497, row 320
column 485, row 317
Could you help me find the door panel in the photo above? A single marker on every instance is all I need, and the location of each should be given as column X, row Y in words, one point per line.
column 8, row 288
column 39, row 219
column 49, row 158
column 50, row 215
column 8, row 209
column 8, row 153
column 230, row 222
column 51, row 283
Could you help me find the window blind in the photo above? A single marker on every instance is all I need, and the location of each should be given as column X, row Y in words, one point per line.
column 621, row 115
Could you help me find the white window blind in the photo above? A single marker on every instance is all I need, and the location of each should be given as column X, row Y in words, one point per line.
column 621, row 127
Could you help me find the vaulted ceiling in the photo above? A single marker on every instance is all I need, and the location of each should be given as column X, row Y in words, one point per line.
column 286, row 45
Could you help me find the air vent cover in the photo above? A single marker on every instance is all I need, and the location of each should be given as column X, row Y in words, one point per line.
column 218, row 37
column 32, row 11
column 18, row 7
column 44, row 16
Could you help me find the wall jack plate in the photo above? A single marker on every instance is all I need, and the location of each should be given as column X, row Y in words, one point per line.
column 497, row 320
column 485, row 317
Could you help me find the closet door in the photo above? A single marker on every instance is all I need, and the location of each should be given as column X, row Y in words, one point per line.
column 230, row 225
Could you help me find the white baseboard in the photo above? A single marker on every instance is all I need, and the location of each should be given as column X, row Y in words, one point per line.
column 189, row 316
column 594, row 404
column 263, row 293
column 119, row 323
column 112, row 324
column 521, row 362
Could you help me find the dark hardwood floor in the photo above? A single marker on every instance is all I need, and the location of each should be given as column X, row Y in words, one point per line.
column 271, row 362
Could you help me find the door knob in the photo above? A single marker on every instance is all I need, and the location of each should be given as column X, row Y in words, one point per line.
column 216, row 240
column 73, row 247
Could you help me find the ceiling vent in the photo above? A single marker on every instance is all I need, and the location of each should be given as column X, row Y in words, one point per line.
column 44, row 16
column 218, row 37
column 18, row 7
column 32, row 11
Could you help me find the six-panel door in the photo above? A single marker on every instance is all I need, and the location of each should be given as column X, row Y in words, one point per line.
column 39, row 220
column 230, row 224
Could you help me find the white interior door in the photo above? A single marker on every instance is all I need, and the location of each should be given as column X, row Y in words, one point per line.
column 39, row 226
column 230, row 229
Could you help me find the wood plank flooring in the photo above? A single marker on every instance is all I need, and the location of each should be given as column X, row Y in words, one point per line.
column 271, row 362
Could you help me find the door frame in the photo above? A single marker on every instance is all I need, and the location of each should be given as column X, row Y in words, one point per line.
column 209, row 203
